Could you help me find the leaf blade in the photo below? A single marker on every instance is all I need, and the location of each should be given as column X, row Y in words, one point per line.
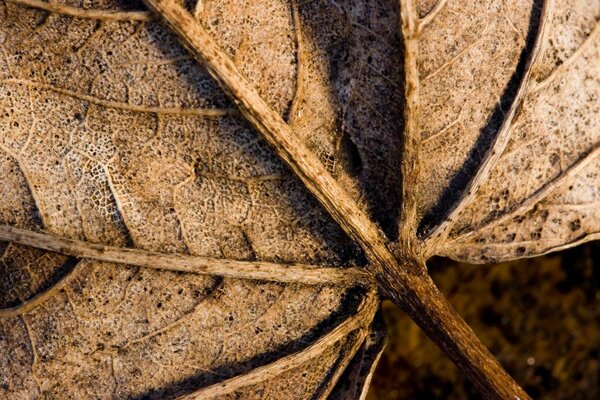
column 529, row 208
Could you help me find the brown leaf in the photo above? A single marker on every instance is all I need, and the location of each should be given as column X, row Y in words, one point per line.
column 464, row 102
column 156, row 246
column 541, row 194
column 113, row 135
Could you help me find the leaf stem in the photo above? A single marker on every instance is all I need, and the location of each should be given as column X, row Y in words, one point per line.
column 427, row 306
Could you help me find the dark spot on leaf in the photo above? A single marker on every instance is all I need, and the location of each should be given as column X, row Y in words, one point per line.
column 575, row 225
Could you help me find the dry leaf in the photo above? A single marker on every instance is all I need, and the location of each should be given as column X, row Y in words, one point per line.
column 156, row 244
column 113, row 135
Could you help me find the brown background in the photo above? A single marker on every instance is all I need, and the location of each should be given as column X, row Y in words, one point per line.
column 539, row 316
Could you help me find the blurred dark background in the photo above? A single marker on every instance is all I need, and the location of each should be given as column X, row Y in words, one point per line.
column 539, row 316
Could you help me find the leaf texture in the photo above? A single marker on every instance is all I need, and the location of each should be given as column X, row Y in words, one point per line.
column 462, row 100
column 155, row 246
column 113, row 135
column 541, row 194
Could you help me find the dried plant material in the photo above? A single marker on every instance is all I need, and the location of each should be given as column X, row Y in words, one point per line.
column 462, row 100
column 355, row 382
column 192, row 220
column 114, row 136
column 541, row 195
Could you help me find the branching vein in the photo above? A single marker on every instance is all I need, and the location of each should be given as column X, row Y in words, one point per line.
column 42, row 296
column 279, row 134
column 491, row 158
column 593, row 36
column 529, row 202
column 266, row 271
column 360, row 320
column 204, row 112
column 412, row 136
column 85, row 13
column 423, row 22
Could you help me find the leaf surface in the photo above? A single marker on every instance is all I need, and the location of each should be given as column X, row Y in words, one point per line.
column 113, row 135
column 540, row 196
column 157, row 246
